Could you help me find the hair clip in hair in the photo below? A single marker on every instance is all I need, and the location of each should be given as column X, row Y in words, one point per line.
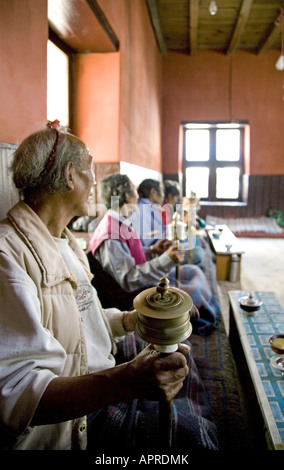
column 53, row 125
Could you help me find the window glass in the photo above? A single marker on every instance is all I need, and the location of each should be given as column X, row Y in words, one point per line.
column 57, row 84
column 227, row 183
column 228, row 145
column 213, row 160
column 197, row 179
column 197, row 145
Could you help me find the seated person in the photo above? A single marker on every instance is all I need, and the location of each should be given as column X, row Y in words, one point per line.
column 151, row 225
column 119, row 251
column 172, row 197
column 155, row 213
column 59, row 361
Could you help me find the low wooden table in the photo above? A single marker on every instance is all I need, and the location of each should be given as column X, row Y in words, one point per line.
column 251, row 332
column 224, row 244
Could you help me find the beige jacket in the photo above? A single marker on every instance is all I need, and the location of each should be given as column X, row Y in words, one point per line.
column 26, row 240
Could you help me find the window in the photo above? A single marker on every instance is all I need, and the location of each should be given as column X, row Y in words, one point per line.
column 57, row 84
column 213, row 162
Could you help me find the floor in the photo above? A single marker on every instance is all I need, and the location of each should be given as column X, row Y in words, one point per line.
column 262, row 269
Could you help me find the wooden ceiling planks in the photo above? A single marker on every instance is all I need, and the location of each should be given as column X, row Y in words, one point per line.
column 186, row 25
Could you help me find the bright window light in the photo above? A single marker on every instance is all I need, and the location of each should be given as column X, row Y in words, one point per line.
column 57, row 84
column 197, row 145
column 213, row 159
column 227, row 183
column 228, row 145
column 197, row 180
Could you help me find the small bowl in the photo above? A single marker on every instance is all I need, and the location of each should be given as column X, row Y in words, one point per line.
column 250, row 303
column 278, row 362
column 277, row 343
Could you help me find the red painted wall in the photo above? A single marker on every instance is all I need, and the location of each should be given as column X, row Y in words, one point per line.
column 126, row 86
column 140, row 94
column 192, row 88
column 96, row 104
column 23, row 44
column 258, row 95
column 139, row 114
column 211, row 86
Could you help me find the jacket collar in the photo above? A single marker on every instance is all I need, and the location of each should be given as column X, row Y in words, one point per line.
column 39, row 240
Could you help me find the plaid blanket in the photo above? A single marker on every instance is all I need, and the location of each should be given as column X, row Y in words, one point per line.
column 194, row 282
column 134, row 426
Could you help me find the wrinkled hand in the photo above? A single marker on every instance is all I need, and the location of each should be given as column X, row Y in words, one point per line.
column 154, row 375
column 129, row 320
column 161, row 245
column 176, row 254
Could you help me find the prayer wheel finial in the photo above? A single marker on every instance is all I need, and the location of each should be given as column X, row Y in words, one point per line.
column 163, row 286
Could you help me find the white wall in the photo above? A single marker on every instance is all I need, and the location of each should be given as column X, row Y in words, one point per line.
column 138, row 173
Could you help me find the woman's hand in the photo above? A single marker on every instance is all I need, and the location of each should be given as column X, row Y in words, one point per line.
column 129, row 320
column 160, row 246
column 176, row 254
column 154, row 375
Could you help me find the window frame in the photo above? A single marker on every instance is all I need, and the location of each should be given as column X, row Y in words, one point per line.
column 212, row 163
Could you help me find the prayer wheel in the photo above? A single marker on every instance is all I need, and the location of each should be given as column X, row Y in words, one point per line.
column 164, row 320
column 163, row 316
column 176, row 230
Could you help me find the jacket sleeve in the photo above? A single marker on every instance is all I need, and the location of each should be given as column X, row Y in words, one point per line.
column 116, row 259
column 29, row 355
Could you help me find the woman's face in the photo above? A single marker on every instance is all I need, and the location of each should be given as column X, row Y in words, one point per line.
column 131, row 202
column 84, row 188
column 172, row 199
column 157, row 196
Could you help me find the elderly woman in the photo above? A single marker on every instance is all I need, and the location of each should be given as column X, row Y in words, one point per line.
column 57, row 347
column 118, row 249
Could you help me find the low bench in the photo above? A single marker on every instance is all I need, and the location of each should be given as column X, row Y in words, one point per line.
column 224, row 245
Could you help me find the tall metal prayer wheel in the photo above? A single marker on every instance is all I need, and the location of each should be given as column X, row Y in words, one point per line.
column 163, row 316
column 176, row 230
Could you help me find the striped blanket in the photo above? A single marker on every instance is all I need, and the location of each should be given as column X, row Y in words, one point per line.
column 133, row 426
column 247, row 224
column 194, row 282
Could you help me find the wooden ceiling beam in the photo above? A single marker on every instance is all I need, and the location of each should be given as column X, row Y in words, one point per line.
column 93, row 4
column 156, row 23
column 81, row 25
column 271, row 38
column 242, row 19
column 193, row 26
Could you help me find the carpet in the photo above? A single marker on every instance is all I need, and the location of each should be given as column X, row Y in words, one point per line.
column 249, row 226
